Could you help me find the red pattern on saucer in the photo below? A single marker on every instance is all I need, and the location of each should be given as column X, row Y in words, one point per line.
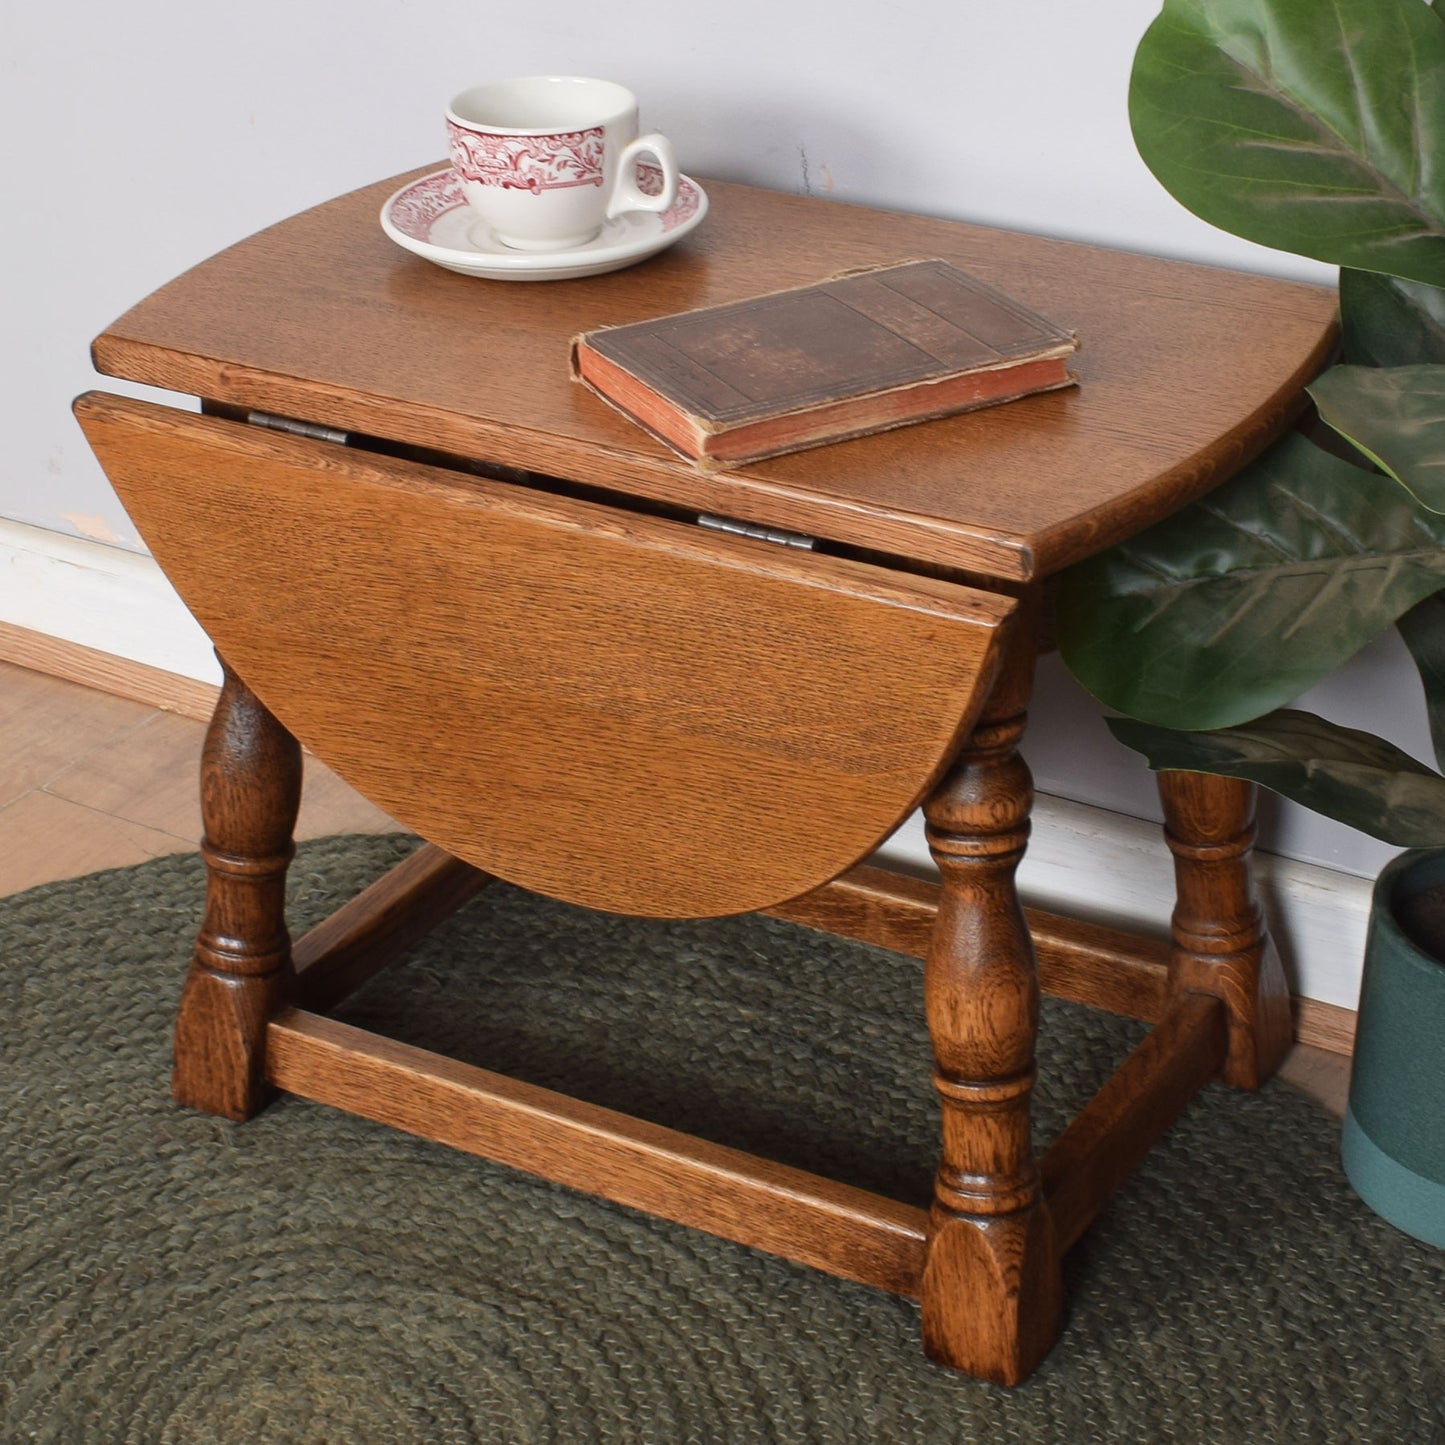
column 416, row 210
column 684, row 208
column 431, row 218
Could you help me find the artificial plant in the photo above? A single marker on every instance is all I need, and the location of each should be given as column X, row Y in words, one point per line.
column 1317, row 127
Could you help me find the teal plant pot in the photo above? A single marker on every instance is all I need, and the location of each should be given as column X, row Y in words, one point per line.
column 1394, row 1137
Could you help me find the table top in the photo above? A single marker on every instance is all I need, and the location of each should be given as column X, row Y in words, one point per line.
column 1186, row 371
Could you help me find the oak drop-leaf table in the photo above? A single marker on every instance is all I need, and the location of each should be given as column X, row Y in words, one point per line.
column 485, row 599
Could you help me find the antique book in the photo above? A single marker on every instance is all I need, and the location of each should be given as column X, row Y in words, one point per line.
column 856, row 354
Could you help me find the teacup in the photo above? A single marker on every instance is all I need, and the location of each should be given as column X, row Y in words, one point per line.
column 545, row 160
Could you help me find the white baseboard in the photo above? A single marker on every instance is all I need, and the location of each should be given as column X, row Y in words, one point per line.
column 103, row 598
column 1085, row 861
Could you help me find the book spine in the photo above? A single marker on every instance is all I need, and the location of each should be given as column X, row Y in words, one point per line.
column 621, row 390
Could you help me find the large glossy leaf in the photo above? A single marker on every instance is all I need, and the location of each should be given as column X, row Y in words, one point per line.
column 1314, row 126
column 1352, row 776
column 1423, row 628
column 1396, row 416
column 1242, row 600
column 1390, row 322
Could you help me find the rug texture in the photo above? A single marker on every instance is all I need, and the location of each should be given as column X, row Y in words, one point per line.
column 310, row 1277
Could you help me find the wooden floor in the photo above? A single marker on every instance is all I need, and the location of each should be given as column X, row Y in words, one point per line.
column 91, row 781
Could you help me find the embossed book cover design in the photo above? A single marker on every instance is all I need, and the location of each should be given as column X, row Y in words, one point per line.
column 858, row 354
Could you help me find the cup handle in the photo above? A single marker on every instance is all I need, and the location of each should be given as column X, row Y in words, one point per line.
column 626, row 195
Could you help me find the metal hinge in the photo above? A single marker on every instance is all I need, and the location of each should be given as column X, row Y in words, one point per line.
column 761, row 534
column 292, row 427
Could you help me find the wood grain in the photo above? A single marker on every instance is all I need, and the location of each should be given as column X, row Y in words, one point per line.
column 241, row 972
column 118, row 677
column 1186, row 371
column 1220, row 943
column 377, row 926
column 769, row 1206
column 1325, row 1025
column 47, row 838
column 1116, row 1129
column 606, row 707
column 32, row 710
column 992, row 1294
column 1084, row 962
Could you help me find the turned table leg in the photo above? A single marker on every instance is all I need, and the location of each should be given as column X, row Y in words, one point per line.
column 991, row 1288
column 1220, row 943
column 241, row 972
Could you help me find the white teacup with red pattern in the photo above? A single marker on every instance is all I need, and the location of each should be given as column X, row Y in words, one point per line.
column 546, row 160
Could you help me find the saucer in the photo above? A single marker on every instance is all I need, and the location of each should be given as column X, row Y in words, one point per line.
column 431, row 218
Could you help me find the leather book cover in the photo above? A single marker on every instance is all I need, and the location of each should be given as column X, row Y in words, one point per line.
column 857, row 354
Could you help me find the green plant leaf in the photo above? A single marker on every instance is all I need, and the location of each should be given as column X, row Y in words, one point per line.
column 1242, row 600
column 1390, row 322
column 1348, row 775
column 1423, row 628
column 1308, row 126
column 1396, row 416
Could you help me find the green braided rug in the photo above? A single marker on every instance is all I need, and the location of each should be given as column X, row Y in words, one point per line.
column 309, row 1277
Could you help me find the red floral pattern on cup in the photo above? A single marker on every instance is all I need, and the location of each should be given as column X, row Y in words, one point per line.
column 533, row 163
